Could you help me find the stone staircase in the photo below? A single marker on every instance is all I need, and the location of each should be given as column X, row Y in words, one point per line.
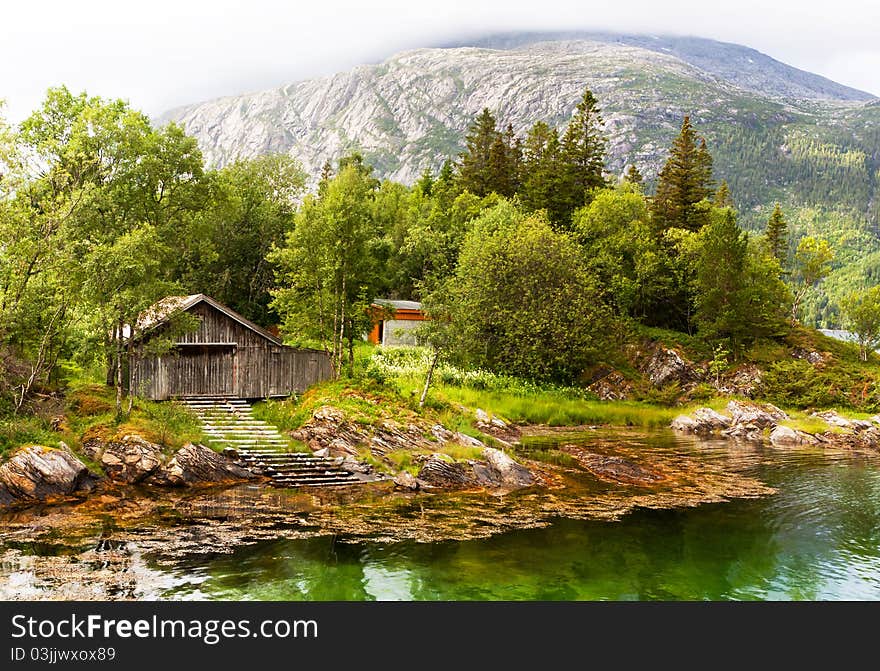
column 260, row 447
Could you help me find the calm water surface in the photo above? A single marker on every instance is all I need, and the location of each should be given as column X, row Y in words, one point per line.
column 817, row 538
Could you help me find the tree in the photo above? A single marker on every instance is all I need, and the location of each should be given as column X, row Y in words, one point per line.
column 684, row 181
column 861, row 311
column 251, row 210
column 326, row 270
column 621, row 251
column 739, row 294
column 812, row 263
column 722, row 195
column 541, row 175
column 633, row 176
column 117, row 190
column 522, row 301
column 777, row 235
column 490, row 162
column 583, row 153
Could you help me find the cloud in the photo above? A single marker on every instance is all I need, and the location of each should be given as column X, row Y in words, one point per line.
column 169, row 52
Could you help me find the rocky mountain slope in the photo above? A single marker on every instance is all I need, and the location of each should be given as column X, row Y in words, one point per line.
column 777, row 133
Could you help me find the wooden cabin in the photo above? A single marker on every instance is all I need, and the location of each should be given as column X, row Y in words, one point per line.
column 394, row 322
column 226, row 356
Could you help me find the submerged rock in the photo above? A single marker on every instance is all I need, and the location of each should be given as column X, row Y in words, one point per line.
column 614, row 468
column 37, row 473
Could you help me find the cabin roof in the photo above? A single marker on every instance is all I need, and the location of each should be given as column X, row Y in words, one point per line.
column 398, row 305
column 161, row 311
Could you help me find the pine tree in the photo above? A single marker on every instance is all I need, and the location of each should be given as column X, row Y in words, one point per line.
column 583, row 153
column 723, row 197
column 541, row 174
column 492, row 160
column 777, row 235
column 684, row 181
column 425, row 182
column 633, row 176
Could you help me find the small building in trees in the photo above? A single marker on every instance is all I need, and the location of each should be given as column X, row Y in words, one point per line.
column 394, row 322
column 219, row 353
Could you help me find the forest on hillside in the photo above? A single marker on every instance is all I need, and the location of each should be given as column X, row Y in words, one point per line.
column 531, row 259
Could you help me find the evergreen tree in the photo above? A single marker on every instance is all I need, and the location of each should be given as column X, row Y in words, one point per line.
column 541, row 174
column 777, row 235
column 478, row 161
column 583, row 153
column 684, row 181
column 633, row 176
column 425, row 183
column 722, row 196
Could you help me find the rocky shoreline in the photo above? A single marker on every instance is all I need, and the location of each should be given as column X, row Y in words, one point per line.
column 747, row 420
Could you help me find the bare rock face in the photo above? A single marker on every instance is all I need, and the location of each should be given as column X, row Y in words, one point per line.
column 130, row 460
column 761, row 415
column 199, row 465
column 747, row 380
column 37, row 473
column 667, row 366
column 612, row 387
column 505, row 471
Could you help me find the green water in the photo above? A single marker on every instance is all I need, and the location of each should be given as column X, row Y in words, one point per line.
column 817, row 538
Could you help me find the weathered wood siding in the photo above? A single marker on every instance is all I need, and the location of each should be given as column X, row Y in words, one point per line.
column 225, row 358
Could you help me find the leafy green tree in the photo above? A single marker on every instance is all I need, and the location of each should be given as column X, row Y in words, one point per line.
column 621, row 250
column 251, row 210
column 684, row 181
column 522, row 301
column 812, row 264
column 861, row 311
column 327, row 268
column 777, row 234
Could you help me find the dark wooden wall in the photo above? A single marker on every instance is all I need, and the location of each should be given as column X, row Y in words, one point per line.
column 225, row 358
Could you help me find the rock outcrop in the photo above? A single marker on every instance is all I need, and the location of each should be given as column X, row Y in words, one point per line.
column 666, row 366
column 504, row 471
column 38, row 473
column 755, row 421
column 130, row 460
column 199, row 465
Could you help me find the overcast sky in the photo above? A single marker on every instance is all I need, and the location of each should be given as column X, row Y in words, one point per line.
column 163, row 53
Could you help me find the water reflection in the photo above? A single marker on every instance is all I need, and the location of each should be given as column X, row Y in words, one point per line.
column 817, row 538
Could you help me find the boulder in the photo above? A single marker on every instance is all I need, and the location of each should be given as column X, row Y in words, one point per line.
column 835, row 419
column 761, row 415
column 406, row 480
column 685, row 423
column 36, row 473
column 667, row 366
column 442, row 434
column 786, row 436
column 440, row 471
column 468, row 441
column 704, row 420
column 199, row 465
column 130, row 460
column 482, row 416
column 507, row 472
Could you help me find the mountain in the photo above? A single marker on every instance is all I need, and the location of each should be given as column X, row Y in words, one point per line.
column 777, row 133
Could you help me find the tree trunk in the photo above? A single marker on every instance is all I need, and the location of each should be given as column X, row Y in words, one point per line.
column 429, row 377
column 119, row 369
column 350, row 348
